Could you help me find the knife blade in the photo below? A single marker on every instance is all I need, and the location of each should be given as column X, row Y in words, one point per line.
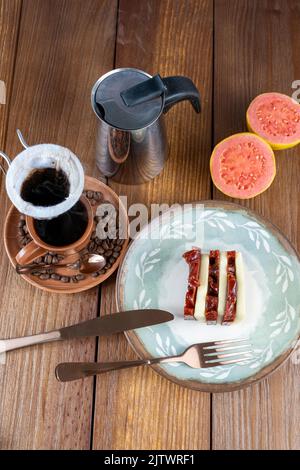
column 116, row 323
column 107, row 325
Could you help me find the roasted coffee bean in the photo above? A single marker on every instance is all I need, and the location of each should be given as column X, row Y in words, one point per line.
column 100, row 250
column 93, row 236
column 89, row 194
column 115, row 255
column 80, row 277
column 55, row 276
column 108, row 253
column 93, row 247
column 45, row 276
column 48, row 259
column 43, row 271
column 54, row 259
column 65, row 279
column 93, row 202
column 97, row 196
column 105, row 245
column 117, row 249
column 112, row 260
column 95, row 274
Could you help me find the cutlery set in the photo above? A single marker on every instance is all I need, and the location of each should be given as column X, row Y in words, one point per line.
column 203, row 355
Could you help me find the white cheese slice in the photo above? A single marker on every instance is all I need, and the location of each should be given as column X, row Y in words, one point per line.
column 199, row 312
column 240, row 301
column 222, row 285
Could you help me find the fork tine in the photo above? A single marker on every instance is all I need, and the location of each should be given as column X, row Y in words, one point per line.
column 213, row 350
column 221, row 343
column 217, row 363
column 223, row 356
column 233, row 361
column 229, row 341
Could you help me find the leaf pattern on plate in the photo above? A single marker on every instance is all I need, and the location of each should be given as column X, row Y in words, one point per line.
column 257, row 235
column 166, row 348
column 146, row 264
column 284, row 273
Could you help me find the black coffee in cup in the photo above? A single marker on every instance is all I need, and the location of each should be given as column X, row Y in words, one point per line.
column 45, row 187
column 65, row 229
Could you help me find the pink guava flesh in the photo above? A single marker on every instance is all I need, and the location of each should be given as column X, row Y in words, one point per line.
column 275, row 117
column 242, row 166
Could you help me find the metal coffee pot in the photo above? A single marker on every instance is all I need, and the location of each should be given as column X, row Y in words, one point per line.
column 131, row 143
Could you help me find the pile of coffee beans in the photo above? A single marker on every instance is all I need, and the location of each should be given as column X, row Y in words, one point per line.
column 109, row 248
column 95, row 197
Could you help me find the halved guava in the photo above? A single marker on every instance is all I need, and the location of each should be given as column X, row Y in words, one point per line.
column 243, row 165
column 276, row 118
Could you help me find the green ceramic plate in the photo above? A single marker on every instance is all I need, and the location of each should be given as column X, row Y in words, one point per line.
column 154, row 275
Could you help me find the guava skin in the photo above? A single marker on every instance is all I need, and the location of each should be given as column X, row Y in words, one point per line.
column 243, row 165
column 276, row 118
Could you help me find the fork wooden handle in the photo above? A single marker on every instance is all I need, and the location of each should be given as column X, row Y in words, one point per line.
column 67, row 371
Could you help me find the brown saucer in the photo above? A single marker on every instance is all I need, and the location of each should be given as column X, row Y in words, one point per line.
column 12, row 247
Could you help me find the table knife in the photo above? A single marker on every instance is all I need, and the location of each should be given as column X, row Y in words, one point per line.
column 107, row 325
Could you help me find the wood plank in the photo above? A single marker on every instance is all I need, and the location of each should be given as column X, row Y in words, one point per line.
column 63, row 48
column 137, row 409
column 9, row 26
column 256, row 44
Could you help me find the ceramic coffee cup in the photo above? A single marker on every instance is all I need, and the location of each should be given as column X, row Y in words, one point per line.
column 37, row 247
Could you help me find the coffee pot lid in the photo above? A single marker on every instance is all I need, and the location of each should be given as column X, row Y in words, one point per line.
column 115, row 101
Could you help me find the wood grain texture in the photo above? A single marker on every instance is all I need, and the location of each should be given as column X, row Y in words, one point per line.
column 9, row 26
column 256, row 44
column 137, row 409
column 63, row 49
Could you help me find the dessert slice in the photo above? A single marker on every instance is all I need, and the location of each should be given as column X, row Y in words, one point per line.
column 215, row 287
column 231, row 295
column 199, row 313
column 212, row 295
column 240, row 279
column 193, row 258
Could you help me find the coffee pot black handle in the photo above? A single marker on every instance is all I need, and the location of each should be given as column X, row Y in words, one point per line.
column 181, row 89
column 175, row 89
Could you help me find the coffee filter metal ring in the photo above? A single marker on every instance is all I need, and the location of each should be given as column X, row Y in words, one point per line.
column 44, row 156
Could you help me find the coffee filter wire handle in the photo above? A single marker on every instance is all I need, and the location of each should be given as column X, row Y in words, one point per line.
column 7, row 160
column 21, row 139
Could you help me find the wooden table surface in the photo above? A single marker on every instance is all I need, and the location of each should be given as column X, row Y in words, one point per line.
column 51, row 53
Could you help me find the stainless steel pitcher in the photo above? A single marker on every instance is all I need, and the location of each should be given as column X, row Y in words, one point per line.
column 131, row 145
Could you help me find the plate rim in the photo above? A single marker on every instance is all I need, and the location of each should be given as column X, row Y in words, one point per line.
column 208, row 387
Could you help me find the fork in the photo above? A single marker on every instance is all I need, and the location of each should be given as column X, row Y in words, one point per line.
column 202, row 355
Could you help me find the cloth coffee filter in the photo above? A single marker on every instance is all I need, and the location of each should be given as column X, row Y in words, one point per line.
column 44, row 156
